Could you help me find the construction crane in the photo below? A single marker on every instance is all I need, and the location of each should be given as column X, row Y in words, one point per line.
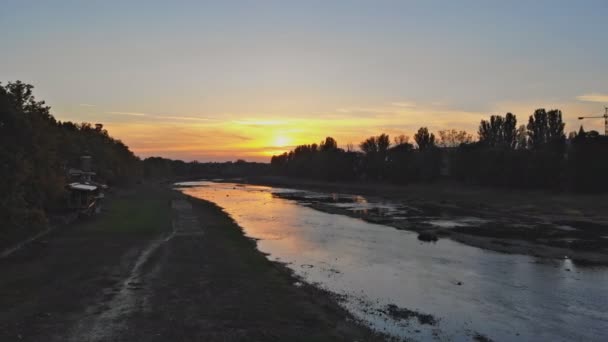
column 605, row 117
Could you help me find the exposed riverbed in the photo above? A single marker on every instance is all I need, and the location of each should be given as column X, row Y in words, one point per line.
column 399, row 285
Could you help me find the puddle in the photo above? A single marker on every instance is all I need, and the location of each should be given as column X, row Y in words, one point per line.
column 565, row 227
column 459, row 222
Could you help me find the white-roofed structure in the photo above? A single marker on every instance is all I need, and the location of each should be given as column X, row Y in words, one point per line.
column 85, row 194
column 82, row 187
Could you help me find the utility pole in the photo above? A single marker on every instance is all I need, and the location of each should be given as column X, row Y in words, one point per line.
column 605, row 117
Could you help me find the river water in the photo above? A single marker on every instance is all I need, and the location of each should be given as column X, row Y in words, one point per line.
column 377, row 270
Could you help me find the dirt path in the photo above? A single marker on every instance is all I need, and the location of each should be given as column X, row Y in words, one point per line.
column 199, row 279
column 109, row 318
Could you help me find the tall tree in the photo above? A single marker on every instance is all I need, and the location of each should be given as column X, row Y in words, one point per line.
column 521, row 137
column 510, row 131
column 424, row 139
column 329, row 144
column 499, row 131
column 384, row 142
column 545, row 127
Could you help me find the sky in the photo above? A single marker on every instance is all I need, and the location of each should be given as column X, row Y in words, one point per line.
column 222, row 80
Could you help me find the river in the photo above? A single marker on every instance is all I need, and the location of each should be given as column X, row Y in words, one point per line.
column 403, row 287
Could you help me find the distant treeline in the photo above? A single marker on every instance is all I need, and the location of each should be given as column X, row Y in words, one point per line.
column 163, row 168
column 37, row 151
column 537, row 155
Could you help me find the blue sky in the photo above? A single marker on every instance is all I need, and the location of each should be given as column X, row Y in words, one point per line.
column 255, row 73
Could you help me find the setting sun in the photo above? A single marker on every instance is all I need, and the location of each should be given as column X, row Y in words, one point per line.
column 281, row 141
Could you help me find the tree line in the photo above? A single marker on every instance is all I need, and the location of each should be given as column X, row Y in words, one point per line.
column 37, row 150
column 171, row 169
column 535, row 155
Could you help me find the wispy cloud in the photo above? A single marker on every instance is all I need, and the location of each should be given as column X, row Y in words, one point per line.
column 254, row 122
column 593, row 97
column 166, row 117
column 187, row 118
column 86, row 105
column 128, row 113
column 407, row 104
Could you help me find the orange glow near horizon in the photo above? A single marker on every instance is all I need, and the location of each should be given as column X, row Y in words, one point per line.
column 259, row 138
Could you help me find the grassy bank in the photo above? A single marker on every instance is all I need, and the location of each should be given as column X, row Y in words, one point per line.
column 144, row 210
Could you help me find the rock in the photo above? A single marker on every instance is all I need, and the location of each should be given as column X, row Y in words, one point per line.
column 427, row 236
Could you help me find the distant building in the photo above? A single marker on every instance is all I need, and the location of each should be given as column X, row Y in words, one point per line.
column 85, row 195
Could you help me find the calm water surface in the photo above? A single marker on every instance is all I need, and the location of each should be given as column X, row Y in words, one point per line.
column 468, row 290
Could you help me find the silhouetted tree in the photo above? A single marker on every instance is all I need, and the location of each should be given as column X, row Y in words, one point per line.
column 499, row 131
column 401, row 162
column 401, row 139
column 329, row 144
column 424, row 139
column 546, row 127
column 521, row 137
column 453, row 138
column 375, row 150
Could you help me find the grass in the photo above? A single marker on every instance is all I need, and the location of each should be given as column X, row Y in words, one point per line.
column 145, row 210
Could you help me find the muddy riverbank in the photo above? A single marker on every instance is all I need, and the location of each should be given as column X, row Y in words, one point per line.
column 554, row 225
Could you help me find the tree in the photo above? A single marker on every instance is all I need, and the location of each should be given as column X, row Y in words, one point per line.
column 537, row 128
column 453, row 138
column 401, row 139
column 424, row 139
column 375, row 150
column 329, row 144
column 546, row 127
column 490, row 131
column 384, row 142
column 521, row 138
column 369, row 146
column 499, row 131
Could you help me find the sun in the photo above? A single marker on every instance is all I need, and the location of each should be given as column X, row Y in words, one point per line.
column 281, row 141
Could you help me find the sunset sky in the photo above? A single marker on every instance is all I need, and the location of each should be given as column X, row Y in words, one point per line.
column 247, row 79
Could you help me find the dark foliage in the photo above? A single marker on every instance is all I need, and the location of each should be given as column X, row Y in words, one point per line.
column 587, row 164
column 536, row 156
column 168, row 169
column 36, row 152
column 378, row 160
